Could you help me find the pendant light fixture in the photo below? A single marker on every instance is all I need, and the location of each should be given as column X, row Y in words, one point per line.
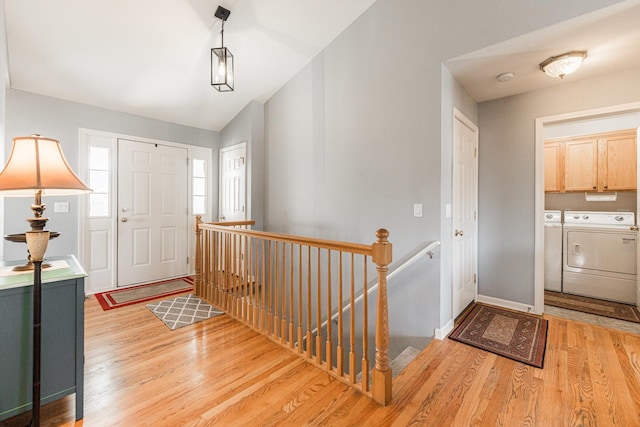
column 222, row 59
column 562, row 65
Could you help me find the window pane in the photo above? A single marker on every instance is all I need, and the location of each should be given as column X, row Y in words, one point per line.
column 198, row 168
column 198, row 205
column 199, row 186
column 99, row 181
column 98, row 204
column 99, row 158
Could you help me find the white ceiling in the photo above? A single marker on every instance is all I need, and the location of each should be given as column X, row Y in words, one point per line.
column 611, row 38
column 152, row 57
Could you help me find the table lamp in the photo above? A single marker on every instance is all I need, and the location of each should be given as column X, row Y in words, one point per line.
column 37, row 166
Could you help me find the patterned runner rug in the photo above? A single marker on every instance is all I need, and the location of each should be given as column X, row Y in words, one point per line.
column 611, row 309
column 135, row 294
column 518, row 336
column 183, row 310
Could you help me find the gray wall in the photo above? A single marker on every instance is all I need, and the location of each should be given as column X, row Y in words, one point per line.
column 355, row 139
column 248, row 126
column 507, row 171
column 4, row 83
column 28, row 113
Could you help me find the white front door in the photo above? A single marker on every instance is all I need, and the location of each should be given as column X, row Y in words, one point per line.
column 152, row 212
column 233, row 178
column 465, row 213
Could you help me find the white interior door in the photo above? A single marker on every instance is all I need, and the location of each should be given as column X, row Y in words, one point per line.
column 233, row 183
column 152, row 212
column 465, row 213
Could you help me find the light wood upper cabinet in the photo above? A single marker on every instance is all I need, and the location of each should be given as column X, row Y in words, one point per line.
column 617, row 156
column 602, row 162
column 554, row 167
column 581, row 165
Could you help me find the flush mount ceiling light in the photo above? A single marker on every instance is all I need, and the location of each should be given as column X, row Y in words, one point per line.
column 222, row 59
column 562, row 65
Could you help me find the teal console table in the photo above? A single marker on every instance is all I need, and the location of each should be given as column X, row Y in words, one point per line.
column 62, row 335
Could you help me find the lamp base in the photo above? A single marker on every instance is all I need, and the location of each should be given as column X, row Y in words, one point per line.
column 30, row 267
column 22, row 238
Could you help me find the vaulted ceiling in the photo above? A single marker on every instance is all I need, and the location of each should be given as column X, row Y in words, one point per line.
column 152, row 57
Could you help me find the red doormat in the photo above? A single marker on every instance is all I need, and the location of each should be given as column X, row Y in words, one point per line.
column 518, row 336
column 136, row 294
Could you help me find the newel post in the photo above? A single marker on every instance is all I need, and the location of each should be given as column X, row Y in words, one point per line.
column 381, row 375
column 198, row 263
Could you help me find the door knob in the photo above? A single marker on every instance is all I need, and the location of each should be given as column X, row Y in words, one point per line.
column 124, row 219
column 459, row 233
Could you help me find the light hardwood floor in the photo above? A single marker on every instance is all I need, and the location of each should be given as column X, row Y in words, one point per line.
column 219, row 372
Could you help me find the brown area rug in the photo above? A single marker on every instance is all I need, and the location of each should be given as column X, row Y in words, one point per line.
column 518, row 336
column 615, row 310
column 123, row 297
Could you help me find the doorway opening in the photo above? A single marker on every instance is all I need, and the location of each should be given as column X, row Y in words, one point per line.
column 543, row 128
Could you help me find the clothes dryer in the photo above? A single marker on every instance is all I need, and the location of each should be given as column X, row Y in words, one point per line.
column 600, row 255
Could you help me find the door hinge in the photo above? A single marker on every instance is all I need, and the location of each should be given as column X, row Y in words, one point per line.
column 187, row 260
column 475, row 215
column 475, row 153
column 475, row 278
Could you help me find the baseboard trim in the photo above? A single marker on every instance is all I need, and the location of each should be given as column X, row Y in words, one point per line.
column 506, row 304
column 441, row 333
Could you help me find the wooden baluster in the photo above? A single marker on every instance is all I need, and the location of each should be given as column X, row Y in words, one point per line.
column 263, row 286
column 382, row 372
column 309, row 334
column 198, row 262
column 299, row 298
column 256, row 287
column 276, row 301
column 236, row 266
column 269, row 287
column 319, row 315
column 248, row 297
column 339, row 355
column 352, row 324
column 328, row 347
column 365, row 331
column 291, row 284
column 283, row 297
column 217, row 267
column 244, row 294
column 227, row 272
column 206, row 265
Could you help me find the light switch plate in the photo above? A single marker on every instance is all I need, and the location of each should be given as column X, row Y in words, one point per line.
column 61, row 207
column 417, row 210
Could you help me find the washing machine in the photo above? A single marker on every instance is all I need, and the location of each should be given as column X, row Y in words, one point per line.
column 600, row 255
column 553, row 250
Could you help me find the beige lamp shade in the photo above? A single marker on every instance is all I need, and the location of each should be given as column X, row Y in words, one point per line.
column 37, row 163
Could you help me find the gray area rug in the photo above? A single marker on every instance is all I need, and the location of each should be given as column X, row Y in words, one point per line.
column 183, row 311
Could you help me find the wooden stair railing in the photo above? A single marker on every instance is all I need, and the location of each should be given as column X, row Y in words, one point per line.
column 285, row 287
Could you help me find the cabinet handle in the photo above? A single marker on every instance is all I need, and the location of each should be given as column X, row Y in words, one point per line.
column 606, row 186
column 594, row 187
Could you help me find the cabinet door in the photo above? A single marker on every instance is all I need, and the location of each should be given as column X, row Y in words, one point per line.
column 618, row 162
column 581, row 165
column 553, row 167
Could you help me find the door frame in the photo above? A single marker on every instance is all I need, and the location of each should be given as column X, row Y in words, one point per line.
column 458, row 115
column 105, row 277
column 540, row 123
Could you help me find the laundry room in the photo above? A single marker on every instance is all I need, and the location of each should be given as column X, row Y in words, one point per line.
column 591, row 232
